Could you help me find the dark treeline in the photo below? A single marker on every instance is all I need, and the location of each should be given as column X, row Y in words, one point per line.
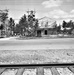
column 66, row 27
column 28, row 25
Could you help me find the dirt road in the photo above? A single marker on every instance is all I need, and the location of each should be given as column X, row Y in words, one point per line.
column 37, row 44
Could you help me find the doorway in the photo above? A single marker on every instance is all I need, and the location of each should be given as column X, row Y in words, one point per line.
column 46, row 32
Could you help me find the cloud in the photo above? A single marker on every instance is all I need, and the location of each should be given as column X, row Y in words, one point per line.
column 69, row 0
column 52, row 3
column 71, row 14
column 72, row 11
column 58, row 13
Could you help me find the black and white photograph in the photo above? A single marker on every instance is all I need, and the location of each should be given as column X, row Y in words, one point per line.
column 36, row 37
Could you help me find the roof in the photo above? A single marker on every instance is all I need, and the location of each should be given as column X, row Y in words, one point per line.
column 46, row 18
column 47, row 22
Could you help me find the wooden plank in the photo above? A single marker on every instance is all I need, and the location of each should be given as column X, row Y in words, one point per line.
column 20, row 71
column 39, row 71
column 71, row 69
column 54, row 71
column 2, row 70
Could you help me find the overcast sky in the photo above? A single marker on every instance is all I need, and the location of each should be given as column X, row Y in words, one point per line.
column 58, row 9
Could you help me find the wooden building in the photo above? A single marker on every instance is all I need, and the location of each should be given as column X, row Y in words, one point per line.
column 46, row 27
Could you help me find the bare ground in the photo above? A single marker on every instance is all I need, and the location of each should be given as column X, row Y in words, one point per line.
column 36, row 56
column 37, row 51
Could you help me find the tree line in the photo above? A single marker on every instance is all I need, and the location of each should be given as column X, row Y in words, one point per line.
column 66, row 27
column 28, row 25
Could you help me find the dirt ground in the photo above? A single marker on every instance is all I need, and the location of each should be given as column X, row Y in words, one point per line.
column 36, row 51
column 37, row 44
column 36, row 56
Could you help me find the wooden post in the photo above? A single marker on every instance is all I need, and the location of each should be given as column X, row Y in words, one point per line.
column 40, row 71
column 54, row 71
column 20, row 71
column 2, row 70
column 71, row 69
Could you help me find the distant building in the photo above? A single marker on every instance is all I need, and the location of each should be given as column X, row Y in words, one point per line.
column 46, row 27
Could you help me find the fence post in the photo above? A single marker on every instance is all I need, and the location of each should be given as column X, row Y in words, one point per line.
column 39, row 71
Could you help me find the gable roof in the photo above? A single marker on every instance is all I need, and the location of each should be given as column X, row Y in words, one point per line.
column 46, row 22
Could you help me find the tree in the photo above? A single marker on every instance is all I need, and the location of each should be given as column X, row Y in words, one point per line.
column 64, row 24
column 3, row 18
column 58, row 29
column 11, row 26
column 23, row 25
column 28, row 26
column 32, row 23
column 35, row 26
column 1, row 27
column 17, row 29
column 70, row 24
column 68, row 27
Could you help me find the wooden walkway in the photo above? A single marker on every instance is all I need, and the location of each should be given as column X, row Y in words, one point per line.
column 54, row 69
